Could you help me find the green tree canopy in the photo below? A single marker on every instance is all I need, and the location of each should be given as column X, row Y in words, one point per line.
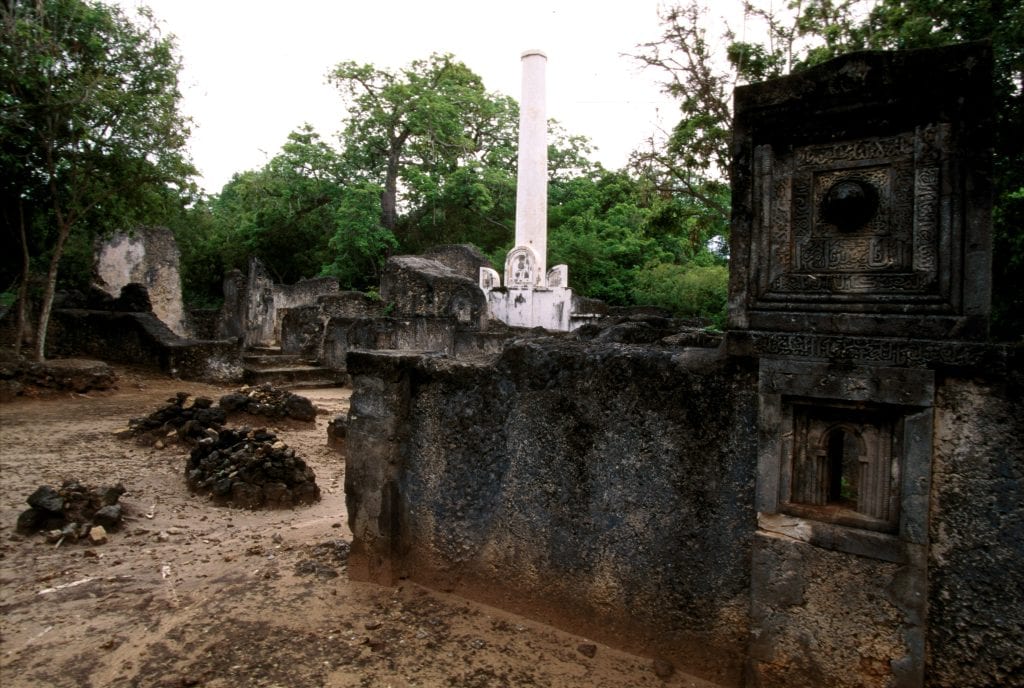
column 91, row 139
column 436, row 142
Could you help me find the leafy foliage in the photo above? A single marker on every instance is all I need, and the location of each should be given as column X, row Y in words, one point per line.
column 435, row 141
column 91, row 139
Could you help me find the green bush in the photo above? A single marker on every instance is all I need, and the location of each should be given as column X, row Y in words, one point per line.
column 691, row 290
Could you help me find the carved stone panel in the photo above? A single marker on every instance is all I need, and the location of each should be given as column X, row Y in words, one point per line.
column 854, row 222
column 860, row 198
column 521, row 268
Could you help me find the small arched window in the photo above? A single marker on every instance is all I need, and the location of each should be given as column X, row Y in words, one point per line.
column 843, row 468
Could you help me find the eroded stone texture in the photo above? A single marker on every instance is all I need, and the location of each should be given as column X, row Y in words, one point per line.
column 149, row 257
column 819, row 625
column 416, row 286
column 912, row 254
column 142, row 339
column 463, row 259
column 860, row 273
column 264, row 302
column 67, row 374
column 835, row 497
column 976, row 562
column 609, row 486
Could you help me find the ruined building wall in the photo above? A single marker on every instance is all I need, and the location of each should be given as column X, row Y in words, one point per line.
column 976, row 563
column 608, row 488
column 149, row 257
column 264, row 303
column 836, row 498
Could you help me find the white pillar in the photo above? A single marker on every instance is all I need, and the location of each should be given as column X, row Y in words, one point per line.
column 532, row 180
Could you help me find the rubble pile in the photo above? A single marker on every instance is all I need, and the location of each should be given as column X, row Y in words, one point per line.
column 178, row 420
column 250, row 469
column 73, row 512
column 267, row 400
column 20, row 377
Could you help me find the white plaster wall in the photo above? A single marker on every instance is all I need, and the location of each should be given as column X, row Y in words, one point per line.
column 150, row 258
column 547, row 308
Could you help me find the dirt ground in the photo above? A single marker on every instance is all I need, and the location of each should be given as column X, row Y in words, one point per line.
column 187, row 593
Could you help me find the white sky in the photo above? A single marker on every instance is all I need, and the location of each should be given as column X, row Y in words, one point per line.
column 255, row 70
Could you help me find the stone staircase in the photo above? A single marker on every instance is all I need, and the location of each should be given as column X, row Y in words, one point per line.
column 265, row 364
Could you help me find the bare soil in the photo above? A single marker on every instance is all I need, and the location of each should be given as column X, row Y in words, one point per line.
column 188, row 593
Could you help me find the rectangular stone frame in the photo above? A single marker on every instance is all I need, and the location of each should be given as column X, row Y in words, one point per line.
column 922, row 266
column 909, row 391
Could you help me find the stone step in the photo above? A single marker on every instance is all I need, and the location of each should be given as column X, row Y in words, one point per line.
column 264, row 350
column 294, row 376
column 273, row 360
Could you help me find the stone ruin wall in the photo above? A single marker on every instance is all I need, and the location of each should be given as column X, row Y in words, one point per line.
column 975, row 611
column 261, row 306
column 426, row 304
column 657, row 497
column 148, row 257
column 609, row 488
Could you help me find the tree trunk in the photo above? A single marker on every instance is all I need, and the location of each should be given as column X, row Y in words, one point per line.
column 389, row 197
column 19, row 334
column 51, row 287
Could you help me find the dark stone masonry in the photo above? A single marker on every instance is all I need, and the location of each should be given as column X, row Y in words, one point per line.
column 830, row 495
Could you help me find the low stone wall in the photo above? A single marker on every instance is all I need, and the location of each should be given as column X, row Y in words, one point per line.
column 608, row 487
column 263, row 303
column 416, row 286
column 143, row 339
column 303, row 327
column 462, row 259
column 408, row 334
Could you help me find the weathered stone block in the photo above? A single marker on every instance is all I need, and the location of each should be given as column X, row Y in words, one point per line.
column 861, row 197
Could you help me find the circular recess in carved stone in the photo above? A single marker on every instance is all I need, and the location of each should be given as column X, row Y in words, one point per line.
column 849, row 204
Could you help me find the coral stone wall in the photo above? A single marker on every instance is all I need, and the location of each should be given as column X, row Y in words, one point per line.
column 608, row 488
column 976, row 562
column 151, row 258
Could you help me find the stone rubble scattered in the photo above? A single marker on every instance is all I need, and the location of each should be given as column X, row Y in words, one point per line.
column 177, row 421
column 243, row 467
column 73, row 512
column 269, row 401
column 250, row 469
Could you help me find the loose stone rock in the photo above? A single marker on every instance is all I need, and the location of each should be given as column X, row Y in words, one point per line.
column 266, row 400
column 587, row 649
column 108, row 517
column 47, row 499
column 70, row 510
column 251, row 469
column 98, row 535
column 178, row 420
column 337, row 430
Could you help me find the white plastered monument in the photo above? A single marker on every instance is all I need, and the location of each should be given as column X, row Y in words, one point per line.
column 533, row 296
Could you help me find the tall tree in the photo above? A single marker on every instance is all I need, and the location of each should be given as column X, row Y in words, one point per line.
column 693, row 159
column 285, row 212
column 92, row 139
column 416, row 131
